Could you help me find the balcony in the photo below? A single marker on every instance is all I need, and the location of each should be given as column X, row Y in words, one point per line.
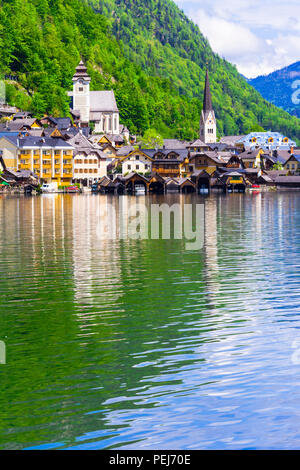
column 24, row 155
column 24, row 166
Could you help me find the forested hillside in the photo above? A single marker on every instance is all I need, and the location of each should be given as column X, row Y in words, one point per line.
column 281, row 87
column 146, row 50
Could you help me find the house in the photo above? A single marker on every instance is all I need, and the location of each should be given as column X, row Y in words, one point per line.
column 137, row 161
column 292, row 165
column 198, row 146
column 20, row 125
column 170, row 163
column 266, row 141
column 252, row 158
column 50, row 159
column 90, row 163
column 208, row 161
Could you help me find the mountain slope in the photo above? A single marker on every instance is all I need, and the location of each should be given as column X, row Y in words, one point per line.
column 281, row 88
column 146, row 50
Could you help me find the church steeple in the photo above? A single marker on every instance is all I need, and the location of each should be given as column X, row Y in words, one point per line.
column 207, row 101
column 81, row 93
column 208, row 123
column 81, row 73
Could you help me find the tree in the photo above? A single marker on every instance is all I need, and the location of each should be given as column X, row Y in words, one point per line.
column 152, row 139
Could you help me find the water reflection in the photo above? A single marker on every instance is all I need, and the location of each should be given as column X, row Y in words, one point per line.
column 141, row 344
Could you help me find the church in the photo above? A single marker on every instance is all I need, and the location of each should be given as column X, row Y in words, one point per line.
column 98, row 107
column 208, row 122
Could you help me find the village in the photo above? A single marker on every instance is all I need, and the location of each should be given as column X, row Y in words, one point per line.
column 93, row 151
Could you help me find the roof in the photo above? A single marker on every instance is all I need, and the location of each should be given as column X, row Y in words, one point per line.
column 16, row 125
column 288, row 180
column 212, row 155
column 31, row 141
column 172, row 144
column 231, row 139
column 101, row 101
column 81, row 72
column 207, row 101
column 198, row 143
column 124, row 151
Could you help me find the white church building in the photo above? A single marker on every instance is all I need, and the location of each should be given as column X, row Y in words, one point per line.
column 99, row 107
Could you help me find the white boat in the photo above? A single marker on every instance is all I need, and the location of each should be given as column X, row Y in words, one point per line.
column 139, row 189
column 49, row 188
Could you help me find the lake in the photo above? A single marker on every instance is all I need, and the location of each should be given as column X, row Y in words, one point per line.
column 142, row 344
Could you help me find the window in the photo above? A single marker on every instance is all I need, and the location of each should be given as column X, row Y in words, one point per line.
column 129, row 167
column 80, row 89
column 137, row 167
column 288, row 167
column 137, row 157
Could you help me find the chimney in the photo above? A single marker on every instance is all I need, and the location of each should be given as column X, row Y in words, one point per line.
column 292, row 150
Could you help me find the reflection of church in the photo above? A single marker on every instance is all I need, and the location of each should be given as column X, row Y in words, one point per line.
column 98, row 107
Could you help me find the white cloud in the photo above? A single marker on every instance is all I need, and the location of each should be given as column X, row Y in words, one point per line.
column 258, row 36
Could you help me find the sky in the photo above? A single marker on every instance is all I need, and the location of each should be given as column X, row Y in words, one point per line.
column 258, row 36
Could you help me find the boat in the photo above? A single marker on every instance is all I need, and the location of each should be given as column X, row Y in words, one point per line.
column 72, row 189
column 255, row 187
column 49, row 188
column 139, row 190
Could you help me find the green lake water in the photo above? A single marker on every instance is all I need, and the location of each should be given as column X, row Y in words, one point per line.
column 141, row 344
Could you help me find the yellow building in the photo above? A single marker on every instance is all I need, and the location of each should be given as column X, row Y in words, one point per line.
column 50, row 159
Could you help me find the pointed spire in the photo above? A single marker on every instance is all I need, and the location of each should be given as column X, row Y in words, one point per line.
column 81, row 72
column 207, row 101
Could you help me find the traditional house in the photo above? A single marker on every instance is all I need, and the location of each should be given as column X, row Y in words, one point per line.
column 170, row 163
column 198, row 146
column 252, row 158
column 137, row 161
column 90, row 163
column 292, row 165
column 208, row 161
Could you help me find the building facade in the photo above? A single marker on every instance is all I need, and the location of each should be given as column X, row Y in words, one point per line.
column 50, row 159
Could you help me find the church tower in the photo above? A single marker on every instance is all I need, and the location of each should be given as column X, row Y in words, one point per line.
column 208, row 123
column 81, row 93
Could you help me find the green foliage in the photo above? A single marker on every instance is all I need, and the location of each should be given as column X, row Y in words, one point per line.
column 147, row 51
column 152, row 139
column 278, row 166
